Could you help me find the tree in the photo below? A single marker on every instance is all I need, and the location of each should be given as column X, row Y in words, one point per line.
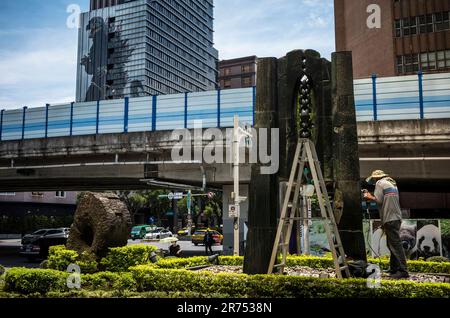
column 134, row 200
column 158, row 207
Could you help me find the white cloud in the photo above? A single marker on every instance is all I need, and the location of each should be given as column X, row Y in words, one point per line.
column 42, row 67
column 41, row 70
column 273, row 27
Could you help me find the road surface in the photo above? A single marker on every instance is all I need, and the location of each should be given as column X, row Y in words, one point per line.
column 9, row 252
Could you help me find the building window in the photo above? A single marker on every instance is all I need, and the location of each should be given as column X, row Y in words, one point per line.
column 37, row 194
column 227, row 71
column 61, row 194
column 246, row 81
column 441, row 21
column 435, row 60
column 398, row 28
column 426, row 23
column 227, row 84
column 408, row 64
column 409, row 26
column 399, row 64
column 7, row 194
column 246, row 68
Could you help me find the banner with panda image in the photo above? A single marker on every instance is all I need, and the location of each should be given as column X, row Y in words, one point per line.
column 420, row 239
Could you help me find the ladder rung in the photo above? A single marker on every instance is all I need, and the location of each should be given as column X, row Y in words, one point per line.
column 279, row 265
column 343, row 268
column 297, row 218
column 283, row 244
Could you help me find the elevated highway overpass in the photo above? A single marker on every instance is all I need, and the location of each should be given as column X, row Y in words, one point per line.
column 416, row 152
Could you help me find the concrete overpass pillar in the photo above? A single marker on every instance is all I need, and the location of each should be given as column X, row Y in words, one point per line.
column 228, row 228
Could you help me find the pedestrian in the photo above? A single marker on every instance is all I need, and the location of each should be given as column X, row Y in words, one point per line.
column 175, row 249
column 208, row 240
column 387, row 197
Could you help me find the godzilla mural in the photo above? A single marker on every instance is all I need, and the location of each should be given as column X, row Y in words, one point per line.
column 105, row 63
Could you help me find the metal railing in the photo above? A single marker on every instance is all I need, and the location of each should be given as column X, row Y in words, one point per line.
column 213, row 109
column 421, row 96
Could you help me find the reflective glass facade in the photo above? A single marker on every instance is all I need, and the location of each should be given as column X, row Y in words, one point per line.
column 145, row 47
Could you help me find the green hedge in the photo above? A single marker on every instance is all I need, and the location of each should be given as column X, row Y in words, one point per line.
column 182, row 263
column 146, row 279
column 108, row 281
column 42, row 281
column 278, row 286
column 30, row 281
column 60, row 258
column 119, row 259
column 307, row 261
column 112, row 294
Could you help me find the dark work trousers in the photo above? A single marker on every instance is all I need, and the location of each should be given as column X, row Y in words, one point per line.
column 394, row 244
column 208, row 247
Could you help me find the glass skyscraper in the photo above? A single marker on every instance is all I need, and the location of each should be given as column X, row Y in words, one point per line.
column 145, row 47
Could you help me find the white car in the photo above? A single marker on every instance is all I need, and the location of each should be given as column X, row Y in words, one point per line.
column 158, row 234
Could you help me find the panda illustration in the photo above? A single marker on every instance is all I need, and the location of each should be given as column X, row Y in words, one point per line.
column 408, row 234
column 428, row 241
column 407, row 237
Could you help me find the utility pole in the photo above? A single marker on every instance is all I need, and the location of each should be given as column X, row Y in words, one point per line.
column 236, row 184
column 189, row 197
column 238, row 133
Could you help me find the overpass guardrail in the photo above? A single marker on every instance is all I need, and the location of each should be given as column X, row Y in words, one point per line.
column 421, row 96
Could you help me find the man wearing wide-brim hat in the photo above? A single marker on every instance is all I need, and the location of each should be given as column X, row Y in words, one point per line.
column 387, row 197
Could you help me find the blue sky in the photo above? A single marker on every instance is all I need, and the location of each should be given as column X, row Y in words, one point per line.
column 38, row 51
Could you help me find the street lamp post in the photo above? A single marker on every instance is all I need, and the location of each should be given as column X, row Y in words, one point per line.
column 238, row 134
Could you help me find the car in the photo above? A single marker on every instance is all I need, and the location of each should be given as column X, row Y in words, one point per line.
column 184, row 231
column 199, row 235
column 138, row 232
column 37, row 244
column 158, row 234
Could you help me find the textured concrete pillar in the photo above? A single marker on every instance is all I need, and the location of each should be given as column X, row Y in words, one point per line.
column 263, row 192
column 289, row 75
column 346, row 158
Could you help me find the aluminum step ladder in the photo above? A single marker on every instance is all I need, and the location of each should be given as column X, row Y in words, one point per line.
column 306, row 154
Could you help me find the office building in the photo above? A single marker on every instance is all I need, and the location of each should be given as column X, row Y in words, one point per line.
column 237, row 73
column 145, row 47
column 414, row 35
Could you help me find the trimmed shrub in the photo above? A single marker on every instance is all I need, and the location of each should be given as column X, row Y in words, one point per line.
column 108, row 281
column 2, row 270
column 183, row 263
column 438, row 259
column 163, row 282
column 149, row 279
column 44, row 264
column 30, row 281
column 43, row 281
column 275, row 286
column 124, row 294
column 307, row 261
column 60, row 258
column 119, row 259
